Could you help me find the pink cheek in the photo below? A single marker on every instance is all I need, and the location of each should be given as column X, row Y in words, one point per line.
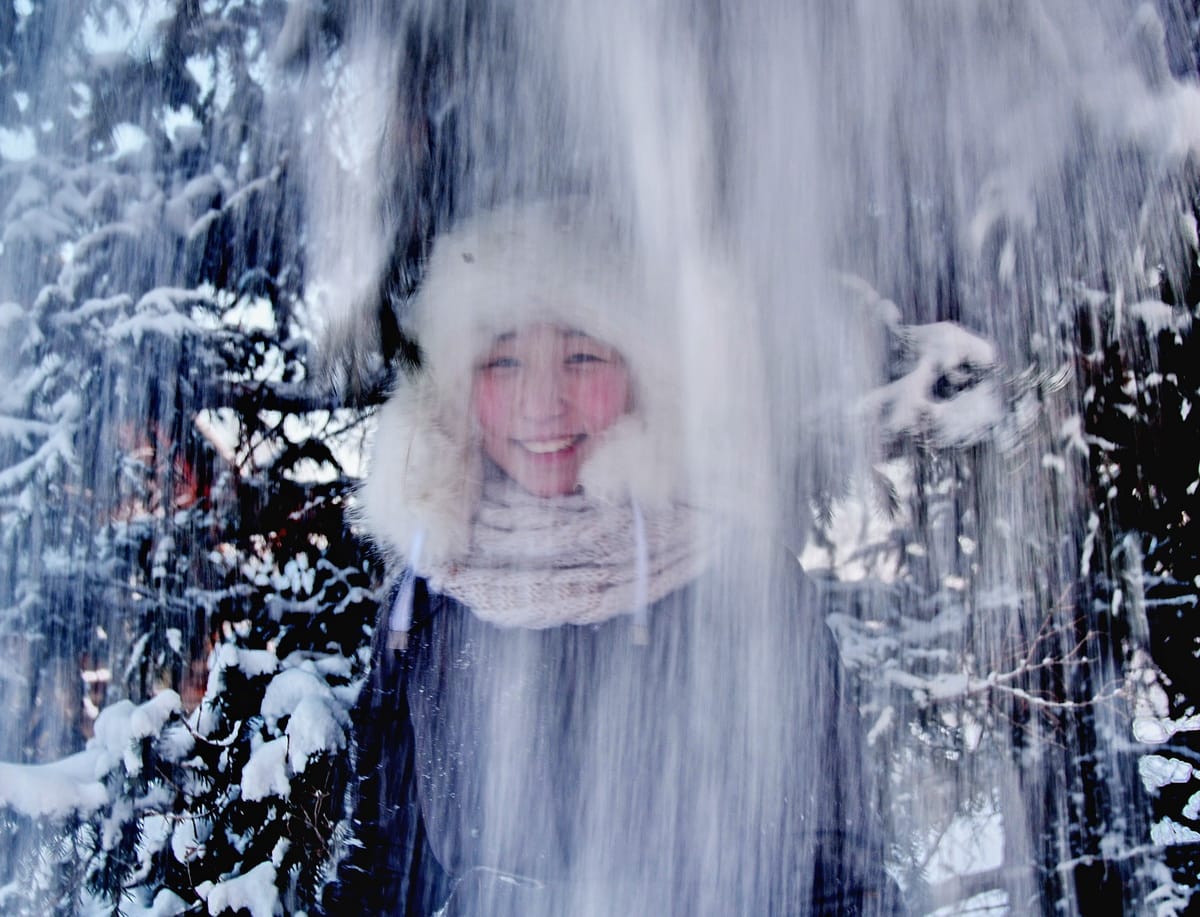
column 492, row 405
column 604, row 400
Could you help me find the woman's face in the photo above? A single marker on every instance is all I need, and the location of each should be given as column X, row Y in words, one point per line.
column 543, row 395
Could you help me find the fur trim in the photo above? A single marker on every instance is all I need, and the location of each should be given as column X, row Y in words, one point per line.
column 493, row 274
column 633, row 463
column 424, row 478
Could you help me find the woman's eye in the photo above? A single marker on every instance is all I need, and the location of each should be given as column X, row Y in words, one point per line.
column 502, row 363
column 585, row 357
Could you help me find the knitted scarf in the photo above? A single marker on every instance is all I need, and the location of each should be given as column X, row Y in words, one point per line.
column 540, row 562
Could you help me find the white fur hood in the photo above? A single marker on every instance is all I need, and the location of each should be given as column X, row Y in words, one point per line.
column 488, row 276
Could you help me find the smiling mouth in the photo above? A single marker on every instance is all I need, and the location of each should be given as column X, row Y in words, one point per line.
column 549, row 446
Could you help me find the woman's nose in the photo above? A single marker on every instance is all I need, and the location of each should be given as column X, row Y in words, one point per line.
column 542, row 394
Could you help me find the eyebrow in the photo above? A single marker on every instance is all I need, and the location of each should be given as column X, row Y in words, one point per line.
column 566, row 333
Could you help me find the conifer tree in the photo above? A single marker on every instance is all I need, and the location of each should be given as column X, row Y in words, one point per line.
column 171, row 486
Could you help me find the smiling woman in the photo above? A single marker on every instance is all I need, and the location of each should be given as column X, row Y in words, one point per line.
column 543, row 396
column 592, row 692
column 541, row 360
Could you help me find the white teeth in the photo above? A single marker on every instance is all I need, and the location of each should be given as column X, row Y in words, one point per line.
column 546, row 446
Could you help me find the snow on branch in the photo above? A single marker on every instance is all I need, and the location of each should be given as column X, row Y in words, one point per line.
column 75, row 786
column 948, row 388
column 945, row 356
column 254, row 891
column 162, row 311
column 53, row 790
column 55, row 450
column 200, row 227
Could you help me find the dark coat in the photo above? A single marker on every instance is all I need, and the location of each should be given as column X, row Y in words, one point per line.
column 580, row 770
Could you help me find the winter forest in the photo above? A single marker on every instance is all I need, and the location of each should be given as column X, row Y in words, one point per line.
column 966, row 242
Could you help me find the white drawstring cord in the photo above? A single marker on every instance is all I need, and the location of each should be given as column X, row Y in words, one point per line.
column 400, row 617
column 641, row 569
